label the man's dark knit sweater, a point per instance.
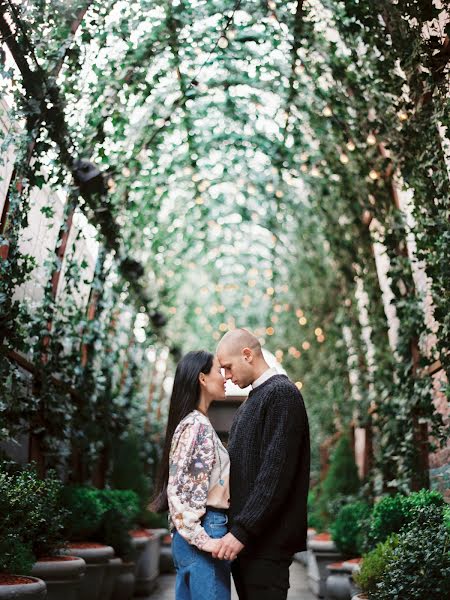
(269, 478)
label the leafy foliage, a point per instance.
(248, 181)
(392, 513)
(31, 515)
(349, 528)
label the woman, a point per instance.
(194, 480)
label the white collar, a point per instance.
(264, 377)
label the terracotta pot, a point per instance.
(16, 587)
(96, 557)
(124, 586)
(109, 579)
(62, 576)
(322, 552)
(147, 568)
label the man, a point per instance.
(269, 478)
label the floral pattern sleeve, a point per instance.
(192, 458)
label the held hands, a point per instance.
(226, 548)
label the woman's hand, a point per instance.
(212, 545)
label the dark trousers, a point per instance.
(261, 578)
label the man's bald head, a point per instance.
(236, 340)
(240, 355)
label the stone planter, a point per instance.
(62, 576)
(113, 568)
(147, 566)
(337, 585)
(96, 557)
(322, 552)
(303, 556)
(16, 587)
(124, 585)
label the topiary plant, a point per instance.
(342, 477)
(419, 567)
(391, 513)
(348, 530)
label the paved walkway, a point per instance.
(299, 586)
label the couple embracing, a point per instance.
(240, 510)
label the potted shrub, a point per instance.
(338, 488)
(82, 523)
(131, 462)
(16, 557)
(119, 513)
(62, 574)
(413, 564)
(391, 513)
(32, 508)
(347, 532)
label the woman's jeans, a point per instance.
(199, 575)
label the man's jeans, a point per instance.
(199, 575)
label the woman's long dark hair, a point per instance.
(185, 398)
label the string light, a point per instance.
(270, 291)
(327, 112)
(303, 320)
(306, 345)
(223, 42)
(371, 139)
(344, 158)
(402, 115)
(318, 331)
(299, 385)
(299, 313)
(373, 175)
(270, 330)
(350, 146)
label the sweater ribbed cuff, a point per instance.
(240, 534)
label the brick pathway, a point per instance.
(298, 591)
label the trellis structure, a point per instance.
(249, 163)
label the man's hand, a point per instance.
(229, 548)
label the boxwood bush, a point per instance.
(349, 528)
(104, 516)
(420, 564)
(31, 517)
(413, 564)
(391, 513)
